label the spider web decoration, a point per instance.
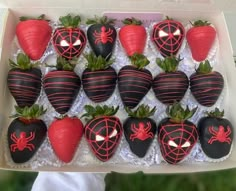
(168, 37)
(69, 43)
(109, 129)
(180, 134)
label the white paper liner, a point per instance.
(84, 156)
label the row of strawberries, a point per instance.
(103, 131)
(99, 82)
(69, 40)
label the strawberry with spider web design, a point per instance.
(103, 131)
(177, 135)
(69, 40)
(168, 36)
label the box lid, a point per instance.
(229, 5)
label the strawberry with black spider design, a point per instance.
(103, 131)
(216, 134)
(168, 36)
(177, 135)
(101, 36)
(171, 85)
(24, 80)
(62, 85)
(33, 35)
(99, 78)
(206, 85)
(140, 129)
(26, 133)
(64, 135)
(134, 81)
(69, 40)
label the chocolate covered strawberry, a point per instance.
(171, 85)
(139, 129)
(200, 39)
(168, 36)
(99, 78)
(216, 134)
(134, 81)
(177, 135)
(26, 133)
(62, 85)
(24, 80)
(64, 135)
(206, 85)
(33, 35)
(103, 131)
(101, 36)
(133, 36)
(69, 40)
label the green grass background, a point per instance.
(209, 181)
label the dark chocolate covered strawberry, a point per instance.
(200, 39)
(64, 135)
(69, 40)
(177, 135)
(139, 129)
(134, 81)
(33, 35)
(133, 36)
(101, 36)
(26, 133)
(171, 85)
(103, 131)
(206, 85)
(24, 80)
(99, 78)
(216, 135)
(168, 36)
(62, 85)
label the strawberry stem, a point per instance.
(143, 111)
(132, 21)
(200, 23)
(216, 113)
(29, 113)
(178, 114)
(104, 20)
(23, 62)
(41, 17)
(70, 21)
(204, 68)
(139, 60)
(169, 64)
(97, 62)
(64, 64)
(93, 112)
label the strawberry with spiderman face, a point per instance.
(176, 134)
(103, 131)
(69, 40)
(101, 36)
(168, 36)
(33, 35)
